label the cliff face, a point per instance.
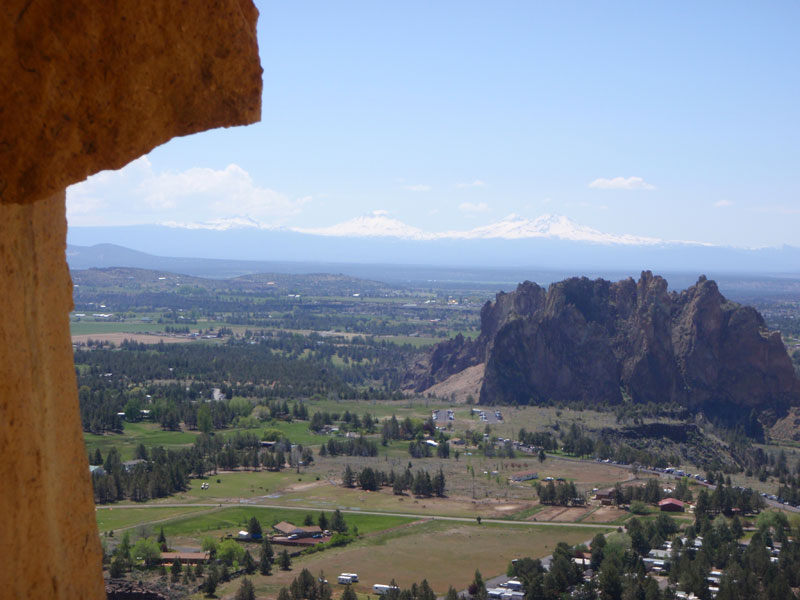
(594, 341)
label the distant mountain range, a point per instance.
(550, 242)
(512, 227)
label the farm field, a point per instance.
(149, 434)
(443, 553)
(117, 338)
(229, 520)
(112, 518)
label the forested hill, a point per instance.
(147, 280)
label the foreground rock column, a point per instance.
(85, 85)
(50, 546)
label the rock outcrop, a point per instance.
(599, 342)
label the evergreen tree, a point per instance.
(347, 477)
(118, 566)
(284, 560)
(338, 523)
(439, 484)
(245, 591)
(266, 558)
(348, 593)
(254, 528)
(175, 569)
(248, 564)
(322, 521)
(211, 581)
(478, 587)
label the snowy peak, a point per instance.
(238, 222)
(551, 226)
(513, 227)
(377, 224)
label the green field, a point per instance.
(149, 434)
(121, 518)
(231, 520)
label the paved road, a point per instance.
(359, 512)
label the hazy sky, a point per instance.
(669, 120)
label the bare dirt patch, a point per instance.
(570, 515)
(466, 383)
(299, 487)
(787, 428)
(605, 514)
(141, 338)
(508, 508)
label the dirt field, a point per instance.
(444, 554)
(605, 514)
(141, 338)
(560, 514)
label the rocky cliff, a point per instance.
(599, 342)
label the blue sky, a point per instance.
(667, 120)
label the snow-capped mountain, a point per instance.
(513, 227)
(244, 222)
(376, 224)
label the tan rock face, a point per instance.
(91, 84)
(48, 523)
(87, 85)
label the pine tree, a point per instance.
(245, 591)
(176, 569)
(211, 581)
(285, 561)
(248, 564)
(254, 528)
(347, 477)
(439, 484)
(322, 521)
(265, 560)
(348, 593)
(338, 523)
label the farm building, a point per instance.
(288, 529)
(605, 496)
(525, 476)
(187, 558)
(671, 505)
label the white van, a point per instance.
(345, 579)
(353, 576)
(381, 589)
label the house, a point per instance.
(671, 505)
(605, 496)
(187, 558)
(294, 532)
(131, 464)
